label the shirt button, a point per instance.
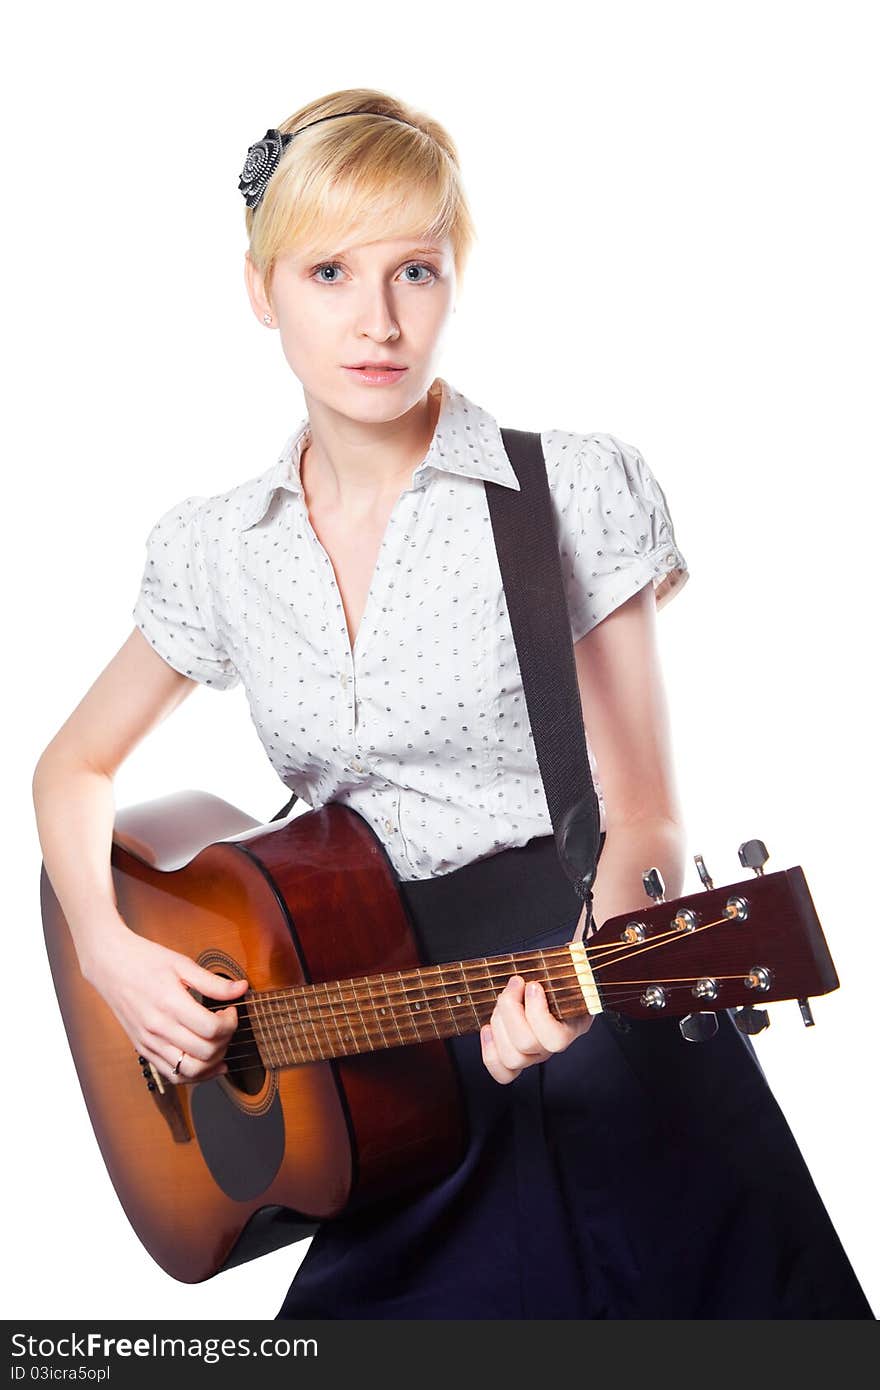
(389, 825)
(356, 766)
(344, 678)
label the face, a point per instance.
(381, 301)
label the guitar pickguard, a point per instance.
(243, 1149)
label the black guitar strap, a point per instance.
(524, 529)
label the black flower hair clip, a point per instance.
(260, 165)
(262, 158)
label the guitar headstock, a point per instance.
(744, 945)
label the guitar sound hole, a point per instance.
(246, 1072)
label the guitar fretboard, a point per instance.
(307, 1023)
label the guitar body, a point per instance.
(215, 1173)
(341, 1088)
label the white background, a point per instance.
(678, 244)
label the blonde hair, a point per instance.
(366, 174)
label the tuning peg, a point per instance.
(652, 881)
(703, 872)
(753, 855)
(698, 1027)
(806, 1013)
(751, 1020)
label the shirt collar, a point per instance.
(467, 440)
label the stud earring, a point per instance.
(267, 318)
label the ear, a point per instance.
(256, 290)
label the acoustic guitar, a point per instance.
(341, 1088)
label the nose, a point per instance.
(376, 317)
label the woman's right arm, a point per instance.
(144, 983)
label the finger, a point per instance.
(552, 1033)
(210, 1023)
(181, 1011)
(199, 1049)
(513, 1057)
(165, 1067)
(220, 1070)
(191, 1068)
(213, 1025)
(517, 1031)
(492, 1061)
(167, 1048)
(207, 983)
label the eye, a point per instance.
(328, 265)
(411, 265)
(420, 265)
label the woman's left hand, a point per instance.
(523, 1031)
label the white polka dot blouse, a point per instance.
(422, 728)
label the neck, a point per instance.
(351, 466)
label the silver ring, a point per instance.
(179, 1060)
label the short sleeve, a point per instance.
(616, 531)
(173, 608)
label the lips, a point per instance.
(378, 376)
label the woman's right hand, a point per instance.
(145, 985)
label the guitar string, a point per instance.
(318, 1014)
(257, 1062)
(305, 1019)
(367, 1020)
(416, 980)
(234, 1063)
(478, 965)
(294, 1027)
(323, 1017)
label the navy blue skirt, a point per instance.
(634, 1175)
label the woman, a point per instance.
(353, 588)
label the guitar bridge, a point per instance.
(167, 1101)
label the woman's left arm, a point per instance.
(627, 721)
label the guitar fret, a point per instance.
(485, 1013)
(386, 1012)
(409, 1018)
(326, 1014)
(363, 1014)
(285, 1004)
(394, 1013)
(315, 1016)
(282, 1014)
(298, 1041)
(348, 1037)
(332, 999)
(470, 1007)
(284, 1007)
(428, 1004)
(394, 1007)
(450, 1023)
(460, 1001)
(547, 982)
(379, 1011)
(264, 1042)
(364, 1029)
(272, 1015)
(419, 1014)
(307, 1005)
(269, 1032)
